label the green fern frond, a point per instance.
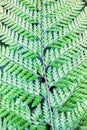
(43, 65)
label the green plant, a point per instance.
(43, 65)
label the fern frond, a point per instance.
(43, 65)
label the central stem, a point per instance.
(44, 67)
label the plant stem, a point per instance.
(44, 67)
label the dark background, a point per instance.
(85, 2)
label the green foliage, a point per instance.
(43, 65)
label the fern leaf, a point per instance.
(43, 65)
